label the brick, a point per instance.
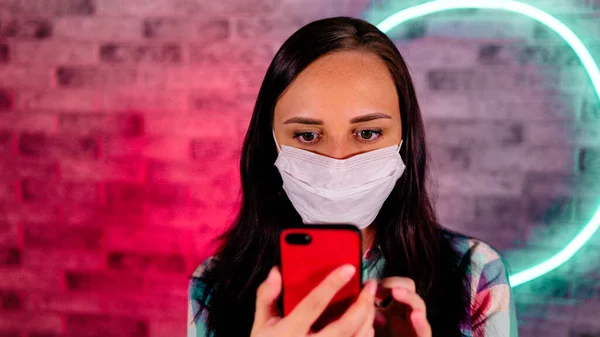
(233, 6)
(159, 147)
(131, 261)
(8, 190)
(134, 54)
(551, 286)
(6, 142)
(54, 52)
(10, 333)
(548, 133)
(37, 28)
(15, 167)
(451, 209)
(62, 100)
(143, 8)
(53, 7)
(215, 150)
(498, 211)
(590, 108)
(125, 193)
(62, 302)
(103, 216)
(98, 28)
(89, 77)
(39, 190)
(33, 122)
(24, 321)
(450, 158)
(29, 280)
(7, 101)
(586, 288)
(474, 133)
(198, 127)
(425, 53)
(480, 183)
(465, 80)
(538, 159)
(553, 184)
(586, 207)
(551, 55)
(166, 328)
(234, 54)
(56, 236)
(10, 257)
(176, 217)
(589, 160)
(9, 233)
(84, 193)
(169, 171)
(507, 105)
(250, 80)
(100, 325)
(168, 194)
(10, 300)
(184, 77)
(479, 25)
(43, 145)
(62, 259)
(26, 76)
(209, 29)
(273, 28)
(159, 308)
(435, 105)
(122, 124)
(123, 169)
(149, 240)
(124, 283)
(4, 53)
(218, 102)
(30, 212)
(548, 209)
(149, 101)
(224, 191)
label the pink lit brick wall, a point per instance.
(121, 125)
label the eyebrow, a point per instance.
(359, 119)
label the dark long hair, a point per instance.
(407, 231)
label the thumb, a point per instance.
(266, 298)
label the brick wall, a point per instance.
(121, 125)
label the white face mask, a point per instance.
(326, 190)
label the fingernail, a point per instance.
(347, 271)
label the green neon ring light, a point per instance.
(588, 63)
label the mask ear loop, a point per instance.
(275, 139)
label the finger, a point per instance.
(352, 320)
(367, 327)
(412, 299)
(266, 298)
(399, 282)
(311, 307)
(420, 324)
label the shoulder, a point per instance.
(481, 257)
(197, 285)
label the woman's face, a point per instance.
(341, 105)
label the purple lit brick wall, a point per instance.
(121, 125)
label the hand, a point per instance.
(357, 321)
(405, 315)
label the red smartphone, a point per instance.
(308, 254)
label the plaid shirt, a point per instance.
(492, 305)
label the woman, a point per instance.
(338, 97)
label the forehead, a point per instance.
(343, 83)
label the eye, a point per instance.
(307, 137)
(368, 135)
